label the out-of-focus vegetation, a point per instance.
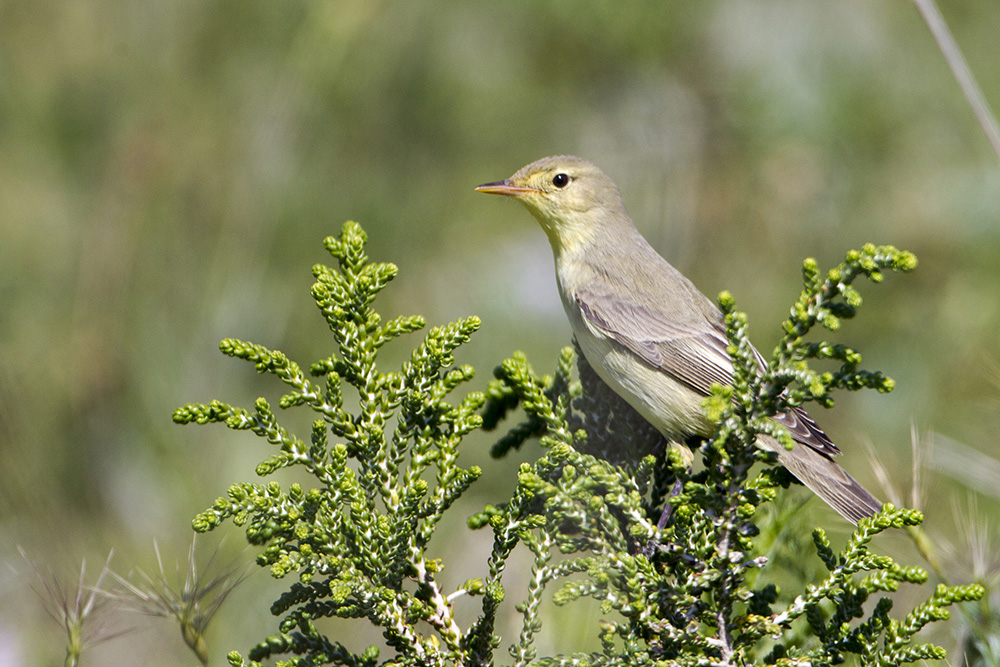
(165, 168)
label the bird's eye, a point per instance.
(560, 180)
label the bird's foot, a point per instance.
(668, 509)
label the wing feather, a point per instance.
(693, 352)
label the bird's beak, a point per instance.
(504, 188)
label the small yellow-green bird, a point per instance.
(646, 330)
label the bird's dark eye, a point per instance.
(560, 180)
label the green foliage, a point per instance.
(356, 540)
(695, 590)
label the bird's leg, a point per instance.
(686, 450)
(668, 509)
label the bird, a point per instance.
(646, 330)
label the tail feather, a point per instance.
(826, 479)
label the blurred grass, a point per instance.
(167, 171)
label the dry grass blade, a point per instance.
(960, 68)
(192, 600)
(81, 612)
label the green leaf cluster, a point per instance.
(383, 476)
(692, 585)
(696, 590)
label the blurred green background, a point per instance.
(168, 171)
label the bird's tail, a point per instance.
(826, 479)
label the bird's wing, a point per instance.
(688, 351)
(803, 429)
(693, 355)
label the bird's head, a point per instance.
(571, 198)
